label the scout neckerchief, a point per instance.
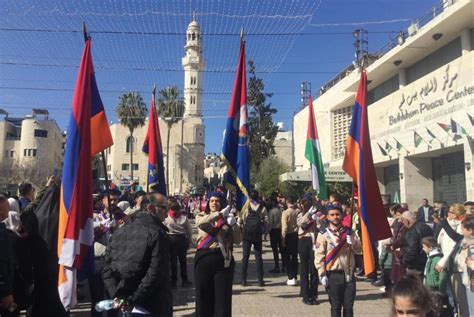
(211, 236)
(331, 257)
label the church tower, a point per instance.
(193, 64)
(190, 151)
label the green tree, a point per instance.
(262, 131)
(171, 110)
(132, 112)
(268, 176)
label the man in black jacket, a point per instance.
(412, 255)
(137, 264)
(425, 212)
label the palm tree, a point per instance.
(132, 112)
(171, 109)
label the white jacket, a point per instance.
(446, 243)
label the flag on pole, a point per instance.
(417, 139)
(398, 145)
(431, 134)
(457, 128)
(313, 154)
(88, 133)
(445, 127)
(388, 147)
(152, 147)
(235, 148)
(471, 118)
(382, 150)
(359, 164)
(396, 198)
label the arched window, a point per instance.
(194, 36)
(130, 144)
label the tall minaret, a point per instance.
(193, 64)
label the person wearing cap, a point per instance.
(412, 255)
(307, 221)
(334, 260)
(214, 263)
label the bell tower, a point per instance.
(193, 64)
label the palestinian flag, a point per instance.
(399, 146)
(388, 147)
(418, 139)
(456, 128)
(471, 118)
(313, 154)
(382, 150)
(431, 134)
(445, 127)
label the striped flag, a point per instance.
(152, 147)
(88, 133)
(313, 154)
(235, 150)
(359, 164)
(471, 118)
(398, 145)
(417, 139)
(382, 150)
(457, 128)
(431, 134)
(445, 127)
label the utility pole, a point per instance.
(361, 44)
(305, 93)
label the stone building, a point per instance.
(421, 110)
(283, 145)
(186, 151)
(30, 148)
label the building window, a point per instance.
(135, 167)
(41, 133)
(109, 168)
(193, 36)
(130, 144)
(125, 167)
(33, 152)
(341, 120)
(12, 153)
(24, 152)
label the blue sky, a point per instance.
(139, 43)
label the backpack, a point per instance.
(253, 225)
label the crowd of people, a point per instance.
(141, 238)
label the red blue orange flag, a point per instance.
(358, 163)
(235, 150)
(88, 133)
(152, 147)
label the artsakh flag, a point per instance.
(88, 133)
(152, 147)
(235, 150)
(313, 155)
(457, 128)
(359, 164)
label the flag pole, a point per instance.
(102, 153)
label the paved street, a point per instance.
(278, 299)
(275, 299)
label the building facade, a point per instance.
(283, 145)
(186, 149)
(30, 147)
(421, 111)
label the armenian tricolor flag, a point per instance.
(235, 150)
(359, 164)
(88, 133)
(152, 147)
